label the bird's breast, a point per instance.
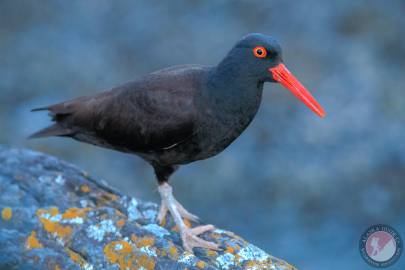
(220, 126)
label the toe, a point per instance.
(189, 216)
(199, 242)
(162, 213)
(191, 240)
(186, 214)
(202, 229)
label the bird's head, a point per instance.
(261, 58)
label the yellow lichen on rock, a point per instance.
(145, 241)
(6, 213)
(76, 258)
(175, 228)
(120, 223)
(106, 198)
(173, 252)
(74, 212)
(51, 224)
(32, 241)
(200, 264)
(212, 253)
(53, 211)
(115, 249)
(85, 188)
(109, 196)
(145, 262)
(122, 254)
(257, 265)
(119, 252)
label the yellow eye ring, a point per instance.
(260, 52)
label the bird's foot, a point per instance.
(191, 240)
(189, 236)
(164, 206)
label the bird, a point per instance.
(180, 114)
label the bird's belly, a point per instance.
(209, 142)
(215, 133)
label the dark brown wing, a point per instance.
(152, 113)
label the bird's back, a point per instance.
(151, 113)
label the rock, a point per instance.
(55, 216)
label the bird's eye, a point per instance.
(260, 52)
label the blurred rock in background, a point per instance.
(326, 180)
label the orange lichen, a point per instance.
(121, 223)
(212, 253)
(173, 253)
(76, 258)
(73, 256)
(32, 241)
(53, 211)
(74, 212)
(117, 250)
(134, 237)
(53, 226)
(186, 222)
(257, 265)
(110, 196)
(106, 198)
(120, 252)
(200, 264)
(145, 241)
(6, 213)
(85, 188)
(119, 213)
(145, 262)
(230, 249)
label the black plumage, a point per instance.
(176, 115)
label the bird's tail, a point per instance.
(53, 130)
(40, 109)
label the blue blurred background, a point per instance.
(300, 187)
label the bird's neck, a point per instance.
(232, 87)
(228, 103)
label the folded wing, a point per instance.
(149, 114)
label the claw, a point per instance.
(202, 229)
(162, 213)
(189, 236)
(191, 240)
(184, 213)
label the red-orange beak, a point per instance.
(282, 75)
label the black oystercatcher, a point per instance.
(180, 114)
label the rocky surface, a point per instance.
(55, 216)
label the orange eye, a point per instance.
(260, 52)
